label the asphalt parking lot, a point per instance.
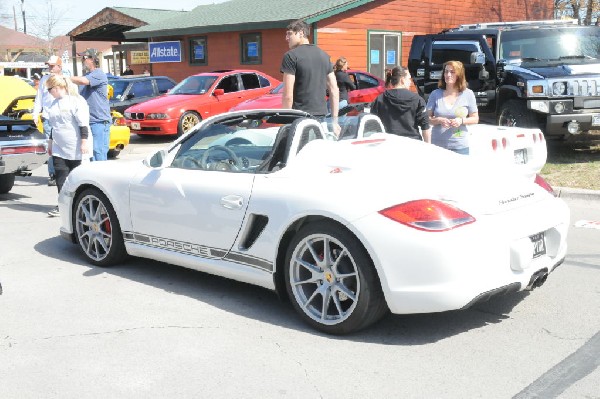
(152, 330)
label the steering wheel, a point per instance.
(234, 161)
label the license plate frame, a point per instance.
(136, 126)
(595, 119)
(520, 156)
(539, 244)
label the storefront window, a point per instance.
(251, 46)
(198, 51)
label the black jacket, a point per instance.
(401, 112)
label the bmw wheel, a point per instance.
(188, 120)
(331, 280)
(97, 229)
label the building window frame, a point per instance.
(198, 50)
(251, 48)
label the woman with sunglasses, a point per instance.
(69, 118)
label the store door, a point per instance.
(384, 52)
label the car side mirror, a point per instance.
(218, 92)
(156, 160)
(477, 58)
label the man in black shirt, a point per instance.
(307, 72)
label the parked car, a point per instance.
(131, 90)
(338, 227)
(368, 87)
(23, 147)
(195, 98)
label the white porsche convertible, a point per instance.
(348, 230)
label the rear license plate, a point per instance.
(596, 120)
(136, 126)
(521, 156)
(539, 244)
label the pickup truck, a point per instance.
(531, 74)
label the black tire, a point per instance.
(7, 181)
(188, 120)
(346, 280)
(515, 113)
(112, 154)
(97, 229)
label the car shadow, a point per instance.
(261, 304)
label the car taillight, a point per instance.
(539, 180)
(119, 122)
(31, 149)
(428, 215)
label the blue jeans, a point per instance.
(101, 135)
(47, 131)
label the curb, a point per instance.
(577, 193)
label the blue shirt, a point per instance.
(96, 95)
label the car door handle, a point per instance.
(232, 202)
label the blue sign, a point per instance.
(164, 52)
(374, 57)
(199, 52)
(252, 49)
(391, 57)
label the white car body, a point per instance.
(239, 224)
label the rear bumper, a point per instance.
(21, 163)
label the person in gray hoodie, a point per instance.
(402, 111)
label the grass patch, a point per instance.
(574, 163)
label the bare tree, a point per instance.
(587, 12)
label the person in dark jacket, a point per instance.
(345, 84)
(402, 111)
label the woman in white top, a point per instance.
(69, 117)
(451, 108)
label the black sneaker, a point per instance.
(51, 181)
(54, 212)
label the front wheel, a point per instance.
(331, 280)
(188, 120)
(97, 229)
(515, 113)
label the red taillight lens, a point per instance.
(494, 144)
(539, 180)
(428, 215)
(35, 149)
(119, 122)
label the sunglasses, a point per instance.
(50, 89)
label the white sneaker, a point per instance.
(54, 212)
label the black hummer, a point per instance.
(542, 74)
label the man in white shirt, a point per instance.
(41, 104)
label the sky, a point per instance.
(71, 13)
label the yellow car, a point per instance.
(12, 88)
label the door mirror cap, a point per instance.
(156, 160)
(218, 92)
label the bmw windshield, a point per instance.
(578, 45)
(194, 85)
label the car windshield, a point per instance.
(577, 45)
(198, 84)
(119, 87)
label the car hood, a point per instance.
(392, 170)
(555, 70)
(168, 102)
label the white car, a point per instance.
(347, 230)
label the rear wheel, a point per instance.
(331, 280)
(112, 154)
(188, 120)
(7, 181)
(515, 113)
(97, 229)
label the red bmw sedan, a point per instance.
(195, 98)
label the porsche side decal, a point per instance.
(201, 251)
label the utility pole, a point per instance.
(23, 12)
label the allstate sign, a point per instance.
(164, 51)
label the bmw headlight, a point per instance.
(559, 88)
(157, 116)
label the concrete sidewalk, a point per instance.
(577, 193)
